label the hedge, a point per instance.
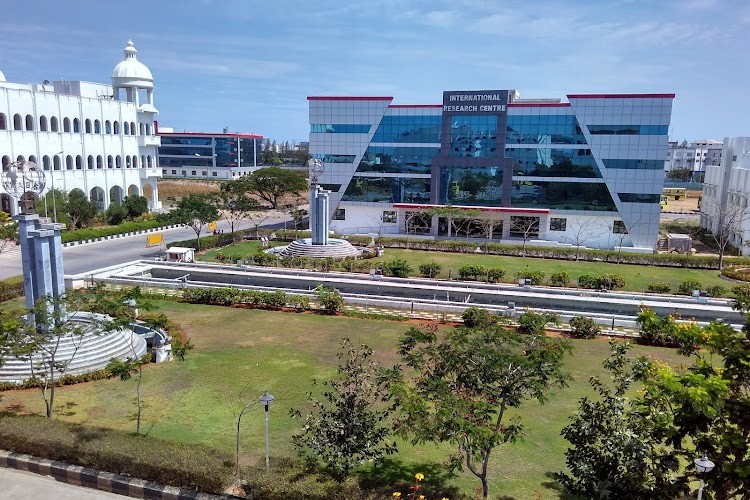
(741, 273)
(190, 466)
(254, 298)
(11, 288)
(100, 232)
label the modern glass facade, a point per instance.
(594, 156)
(190, 150)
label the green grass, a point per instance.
(240, 353)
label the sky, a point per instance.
(250, 65)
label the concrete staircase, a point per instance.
(90, 351)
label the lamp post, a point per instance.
(266, 400)
(704, 466)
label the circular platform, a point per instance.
(335, 249)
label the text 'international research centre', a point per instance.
(586, 172)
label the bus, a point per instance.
(673, 192)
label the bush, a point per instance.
(659, 287)
(495, 274)
(471, 271)
(115, 214)
(536, 277)
(584, 327)
(533, 323)
(716, 291)
(330, 300)
(125, 227)
(135, 205)
(398, 268)
(189, 466)
(560, 279)
(10, 288)
(429, 269)
(475, 317)
(601, 282)
(687, 287)
(655, 330)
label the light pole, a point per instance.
(266, 400)
(704, 466)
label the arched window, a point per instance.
(97, 127)
(45, 162)
(3, 122)
(29, 122)
(87, 126)
(118, 160)
(107, 127)
(76, 125)
(90, 162)
(32, 159)
(56, 162)
(53, 125)
(127, 162)
(79, 162)
(143, 161)
(148, 160)
(135, 162)
(126, 128)
(66, 124)
(68, 162)
(148, 129)
(110, 162)
(17, 122)
(6, 161)
(132, 128)
(20, 158)
(116, 128)
(140, 129)
(42, 123)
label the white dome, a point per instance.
(131, 72)
(2, 77)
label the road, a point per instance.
(82, 258)
(20, 484)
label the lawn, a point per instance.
(240, 353)
(637, 277)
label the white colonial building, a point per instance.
(95, 137)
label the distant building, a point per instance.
(695, 156)
(586, 172)
(206, 155)
(95, 137)
(726, 190)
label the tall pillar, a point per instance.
(314, 213)
(41, 258)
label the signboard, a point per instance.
(493, 102)
(153, 240)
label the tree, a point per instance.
(271, 183)
(680, 174)
(465, 382)
(616, 449)
(257, 217)
(526, 227)
(330, 299)
(458, 218)
(298, 215)
(195, 211)
(269, 155)
(534, 323)
(54, 202)
(488, 223)
(724, 222)
(346, 428)
(136, 205)
(80, 210)
(115, 214)
(234, 202)
(582, 231)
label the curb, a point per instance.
(105, 481)
(120, 235)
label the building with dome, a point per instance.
(96, 137)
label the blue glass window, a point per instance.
(334, 188)
(247, 149)
(562, 195)
(413, 160)
(471, 186)
(628, 129)
(474, 136)
(335, 158)
(388, 190)
(339, 128)
(193, 141)
(552, 162)
(639, 197)
(543, 129)
(634, 164)
(190, 161)
(419, 129)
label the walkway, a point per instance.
(20, 484)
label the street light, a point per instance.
(266, 400)
(704, 466)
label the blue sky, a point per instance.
(250, 65)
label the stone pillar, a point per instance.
(27, 223)
(323, 216)
(313, 213)
(41, 258)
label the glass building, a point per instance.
(586, 172)
(209, 155)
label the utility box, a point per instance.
(180, 254)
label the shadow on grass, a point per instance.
(393, 475)
(554, 485)
(12, 410)
(67, 409)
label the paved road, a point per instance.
(18, 484)
(82, 258)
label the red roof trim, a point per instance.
(483, 209)
(539, 105)
(212, 134)
(439, 106)
(620, 96)
(347, 98)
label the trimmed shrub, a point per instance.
(716, 291)
(330, 300)
(495, 274)
(601, 282)
(588, 281)
(398, 268)
(687, 287)
(429, 269)
(536, 277)
(560, 279)
(659, 287)
(471, 271)
(100, 232)
(190, 466)
(533, 323)
(584, 327)
(10, 288)
(475, 317)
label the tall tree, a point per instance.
(526, 226)
(271, 183)
(582, 231)
(235, 203)
(458, 218)
(465, 383)
(80, 210)
(725, 220)
(195, 211)
(346, 428)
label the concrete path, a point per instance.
(18, 484)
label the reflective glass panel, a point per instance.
(413, 160)
(185, 162)
(335, 158)
(471, 186)
(562, 195)
(422, 129)
(474, 136)
(247, 149)
(388, 190)
(194, 141)
(634, 164)
(226, 151)
(551, 162)
(628, 129)
(639, 197)
(339, 128)
(543, 129)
